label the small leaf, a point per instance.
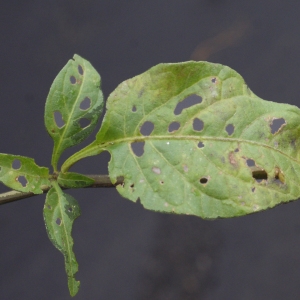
(74, 180)
(60, 211)
(22, 174)
(225, 153)
(73, 106)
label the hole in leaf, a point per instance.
(259, 175)
(132, 185)
(58, 119)
(156, 170)
(200, 145)
(203, 180)
(80, 70)
(250, 162)
(198, 124)
(70, 209)
(214, 80)
(186, 103)
(84, 122)
(147, 128)
(253, 190)
(22, 179)
(73, 79)
(277, 124)
(161, 182)
(85, 103)
(16, 164)
(174, 126)
(236, 150)
(133, 108)
(49, 206)
(229, 129)
(138, 148)
(58, 221)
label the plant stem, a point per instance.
(99, 181)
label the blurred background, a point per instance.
(126, 252)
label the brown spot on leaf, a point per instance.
(232, 159)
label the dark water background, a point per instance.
(125, 252)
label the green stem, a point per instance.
(90, 150)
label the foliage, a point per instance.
(188, 138)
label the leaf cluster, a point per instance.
(188, 138)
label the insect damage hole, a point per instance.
(23, 181)
(259, 174)
(138, 148)
(73, 79)
(174, 126)
(16, 164)
(250, 162)
(200, 145)
(58, 221)
(203, 180)
(186, 103)
(198, 124)
(229, 129)
(133, 108)
(277, 125)
(58, 119)
(85, 103)
(147, 128)
(80, 70)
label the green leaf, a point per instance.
(60, 211)
(73, 106)
(74, 180)
(219, 157)
(22, 174)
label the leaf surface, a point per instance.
(74, 180)
(60, 211)
(192, 138)
(23, 174)
(73, 106)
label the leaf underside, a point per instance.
(60, 211)
(23, 174)
(219, 157)
(73, 106)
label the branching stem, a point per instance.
(99, 181)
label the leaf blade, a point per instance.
(60, 211)
(203, 167)
(23, 174)
(74, 180)
(74, 105)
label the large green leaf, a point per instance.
(22, 174)
(73, 105)
(60, 211)
(220, 157)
